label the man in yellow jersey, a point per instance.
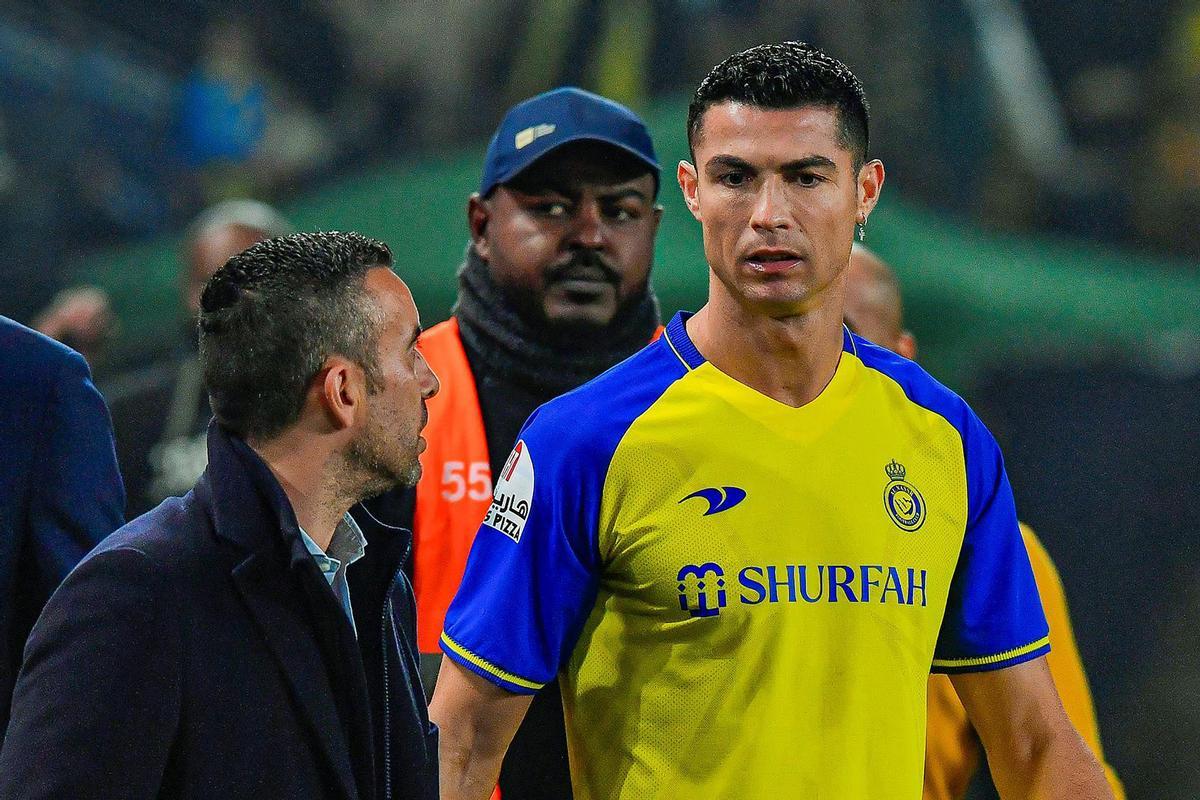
(875, 311)
(743, 549)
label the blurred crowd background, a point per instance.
(1043, 182)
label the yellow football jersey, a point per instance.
(745, 599)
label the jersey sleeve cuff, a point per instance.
(1009, 658)
(487, 670)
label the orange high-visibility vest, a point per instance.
(455, 489)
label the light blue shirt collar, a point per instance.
(347, 546)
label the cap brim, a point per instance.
(581, 137)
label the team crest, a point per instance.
(903, 502)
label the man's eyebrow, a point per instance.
(621, 194)
(729, 162)
(809, 163)
(611, 192)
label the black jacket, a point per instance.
(199, 653)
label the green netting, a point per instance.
(972, 297)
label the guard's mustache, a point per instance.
(586, 265)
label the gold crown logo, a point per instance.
(895, 471)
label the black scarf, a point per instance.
(542, 359)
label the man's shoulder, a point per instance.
(171, 536)
(31, 359)
(918, 386)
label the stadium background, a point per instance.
(1043, 170)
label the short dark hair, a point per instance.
(787, 75)
(271, 316)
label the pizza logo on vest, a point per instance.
(514, 494)
(901, 499)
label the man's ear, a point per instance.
(340, 391)
(689, 184)
(870, 184)
(906, 345)
(477, 220)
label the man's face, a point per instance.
(207, 253)
(873, 308)
(389, 442)
(872, 304)
(571, 238)
(777, 197)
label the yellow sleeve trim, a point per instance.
(491, 669)
(1005, 656)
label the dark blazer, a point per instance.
(60, 491)
(199, 653)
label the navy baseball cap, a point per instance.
(533, 128)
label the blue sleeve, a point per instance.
(78, 497)
(993, 615)
(531, 578)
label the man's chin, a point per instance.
(382, 483)
(578, 320)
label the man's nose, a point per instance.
(430, 385)
(588, 226)
(771, 211)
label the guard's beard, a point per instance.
(513, 335)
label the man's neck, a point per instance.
(789, 358)
(303, 473)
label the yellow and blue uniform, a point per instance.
(745, 599)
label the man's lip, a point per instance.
(584, 285)
(773, 265)
(595, 274)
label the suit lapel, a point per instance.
(278, 607)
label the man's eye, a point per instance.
(621, 214)
(809, 179)
(552, 209)
(734, 179)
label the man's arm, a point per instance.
(477, 721)
(78, 496)
(1032, 748)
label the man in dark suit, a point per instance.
(60, 491)
(226, 644)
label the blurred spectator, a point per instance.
(244, 125)
(1168, 189)
(60, 492)
(161, 413)
(81, 318)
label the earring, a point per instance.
(862, 227)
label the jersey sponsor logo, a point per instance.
(903, 503)
(705, 594)
(514, 494)
(719, 499)
(706, 591)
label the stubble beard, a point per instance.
(370, 467)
